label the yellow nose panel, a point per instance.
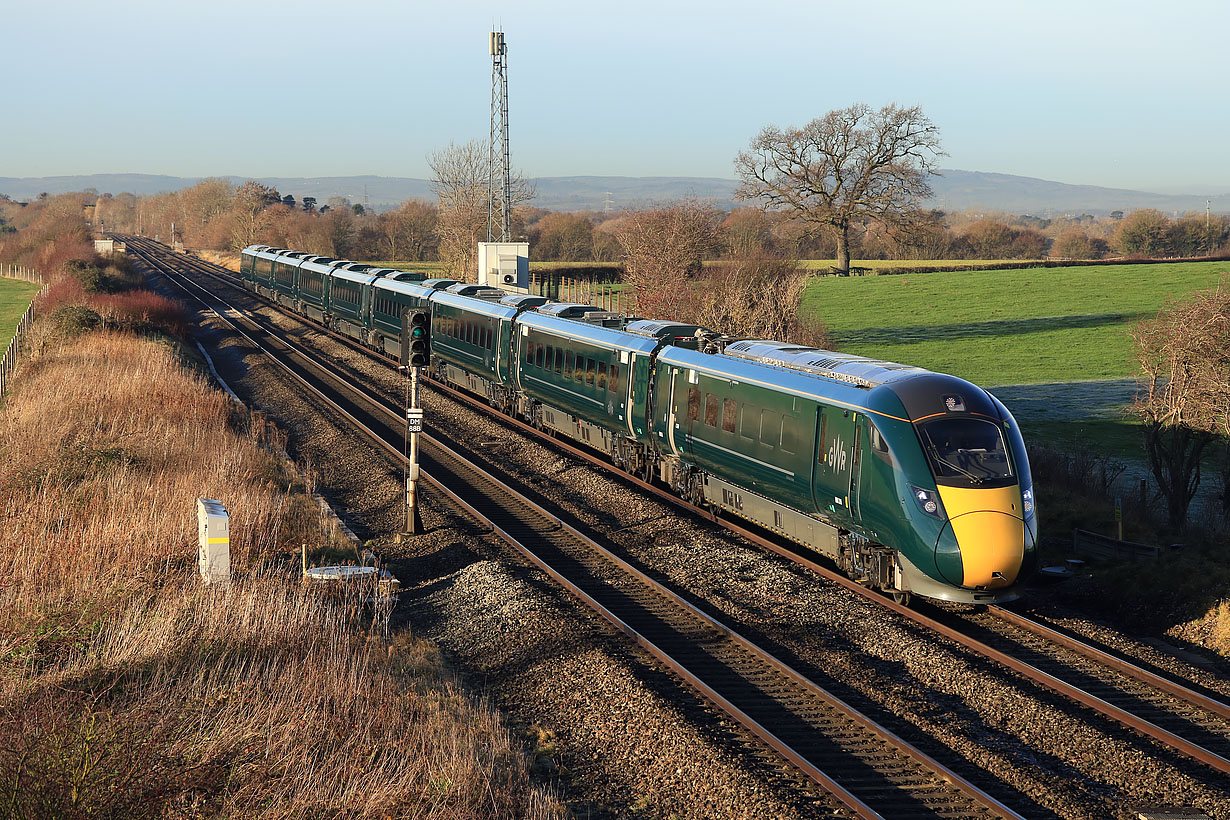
(990, 532)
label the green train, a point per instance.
(913, 482)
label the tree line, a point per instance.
(217, 215)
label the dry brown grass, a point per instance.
(128, 689)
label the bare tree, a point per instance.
(408, 232)
(250, 216)
(1185, 390)
(758, 297)
(459, 180)
(664, 250)
(849, 166)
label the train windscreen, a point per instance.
(966, 451)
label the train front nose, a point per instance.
(990, 535)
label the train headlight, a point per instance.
(928, 502)
(1027, 502)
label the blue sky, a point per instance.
(1122, 94)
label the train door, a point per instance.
(856, 465)
(835, 453)
(629, 397)
(672, 422)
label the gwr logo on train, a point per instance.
(837, 455)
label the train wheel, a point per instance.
(902, 598)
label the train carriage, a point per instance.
(285, 282)
(587, 382)
(257, 268)
(391, 298)
(313, 290)
(825, 448)
(349, 298)
(470, 340)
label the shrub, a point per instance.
(91, 277)
(71, 321)
(141, 310)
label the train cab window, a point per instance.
(568, 360)
(613, 379)
(589, 371)
(602, 375)
(966, 451)
(693, 404)
(879, 447)
(711, 410)
(730, 413)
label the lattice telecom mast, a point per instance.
(499, 200)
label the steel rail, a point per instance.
(1111, 661)
(799, 760)
(1029, 672)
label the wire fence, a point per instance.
(12, 355)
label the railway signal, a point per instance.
(415, 353)
(416, 338)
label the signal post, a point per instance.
(415, 354)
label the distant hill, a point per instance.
(955, 190)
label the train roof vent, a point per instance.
(406, 275)
(477, 291)
(856, 370)
(659, 329)
(438, 283)
(567, 310)
(524, 301)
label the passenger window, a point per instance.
(749, 422)
(693, 404)
(730, 412)
(602, 375)
(568, 356)
(559, 359)
(613, 382)
(788, 434)
(589, 371)
(711, 410)
(550, 357)
(538, 354)
(770, 428)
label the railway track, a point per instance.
(1193, 723)
(869, 770)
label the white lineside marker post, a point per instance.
(414, 426)
(214, 531)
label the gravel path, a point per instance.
(623, 738)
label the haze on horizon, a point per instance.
(1116, 94)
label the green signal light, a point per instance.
(418, 333)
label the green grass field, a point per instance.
(15, 296)
(1037, 325)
